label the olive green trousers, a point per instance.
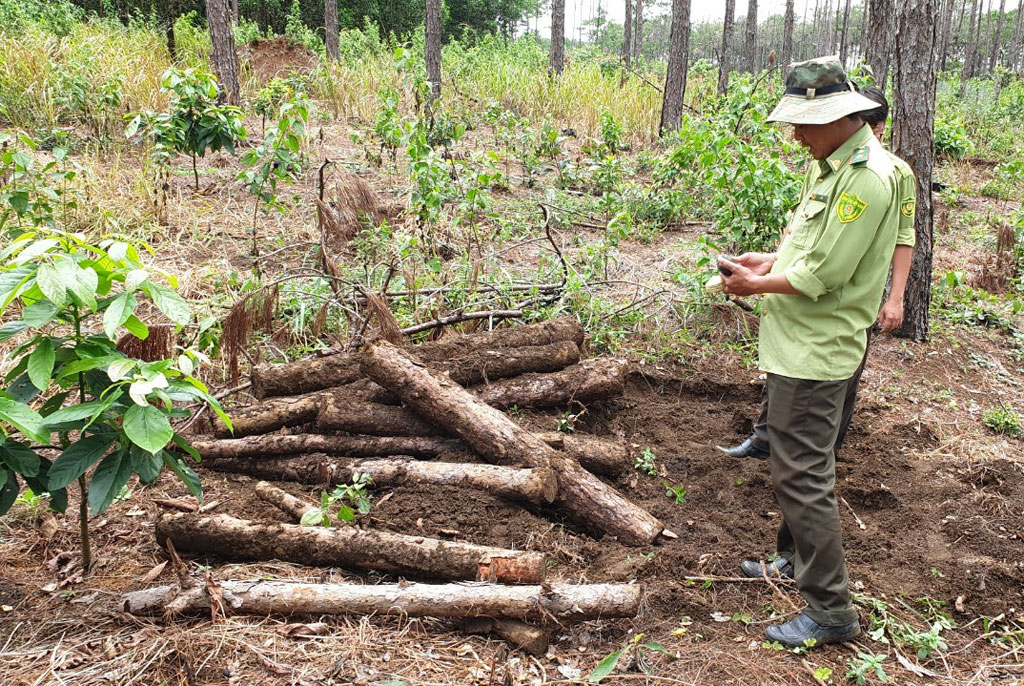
(803, 423)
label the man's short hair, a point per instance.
(878, 115)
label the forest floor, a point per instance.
(932, 502)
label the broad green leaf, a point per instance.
(9, 491)
(35, 249)
(117, 313)
(19, 457)
(77, 458)
(74, 413)
(51, 283)
(169, 302)
(11, 281)
(185, 473)
(147, 427)
(312, 518)
(147, 465)
(25, 419)
(40, 364)
(346, 513)
(605, 667)
(86, 364)
(12, 329)
(140, 389)
(656, 647)
(137, 327)
(39, 314)
(106, 482)
(134, 279)
(121, 369)
(83, 287)
(184, 445)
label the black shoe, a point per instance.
(747, 448)
(779, 567)
(796, 632)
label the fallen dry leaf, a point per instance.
(154, 573)
(303, 630)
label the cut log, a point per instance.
(604, 456)
(533, 640)
(542, 604)
(350, 547)
(270, 415)
(283, 500)
(498, 439)
(594, 379)
(537, 485)
(303, 376)
(340, 412)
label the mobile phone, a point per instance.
(721, 268)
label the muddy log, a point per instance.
(270, 415)
(540, 604)
(498, 439)
(283, 500)
(536, 485)
(604, 456)
(339, 412)
(303, 376)
(350, 547)
(589, 380)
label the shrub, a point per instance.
(1003, 420)
(951, 140)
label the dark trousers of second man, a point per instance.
(803, 422)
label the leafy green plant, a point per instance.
(677, 493)
(635, 650)
(645, 462)
(1003, 420)
(37, 194)
(194, 124)
(72, 297)
(951, 139)
(348, 499)
(862, 667)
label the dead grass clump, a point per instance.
(252, 313)
(1001, 268)
(158, 345)
(354, 202)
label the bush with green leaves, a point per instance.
(1003, 420)
(349, 499)
(70, 299)
(87, 100)
(195, 123)
(951, 139)
(33, 192)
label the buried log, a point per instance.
(497, 438)
(537, 485)
(605, 456)
(541, 604)
(303, 376)
(348, 547)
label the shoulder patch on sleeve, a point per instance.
(849, 207)
(907, 206)
(860, 155)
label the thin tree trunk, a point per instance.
(627, 36)
(864, 23)
(331, 28)
(638, 37)
(234, 12)
(724, 56)
(223, 55)
(547, 603)
(945, 33)
(750, 46)
(914, 88)
(997, 37)
(678, 62)
(787, 37)
(1017, 51)
(844, 43)
(556, 58)
(880, 40)
(498, 439)
(965, 71)
(433, 48)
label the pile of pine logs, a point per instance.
(387, 412)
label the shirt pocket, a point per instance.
(808, 224)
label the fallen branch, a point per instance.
(348, 547)
(547, 604)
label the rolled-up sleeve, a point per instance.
(857, 208)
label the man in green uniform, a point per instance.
(822, 293)
(890, 317)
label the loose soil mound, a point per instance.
(272, 57)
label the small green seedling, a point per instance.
(349, 499)
(635, 649)
(677, 493)
(644, 462)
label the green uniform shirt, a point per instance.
(907, 186)
(837, 254)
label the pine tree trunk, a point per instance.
(723, 58)
(223, 55)
(750, 46)
(965, 71)
(1017, 51)
(638, 36)
(914, 86)
(331, 28)
(945, 32)
(844, 43)
(556, 58)
(433, 47)
(864, 23)
(997, 37)
(627, 36)
(678, 62)
(880, 40)
(787, 37)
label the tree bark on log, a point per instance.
(522, 636)
(270, 415)
(593, 379)
(604, 456)
(537, 485)
(283, 500)
(343, 413)
(348, 547)
(497, 438)
(540, 604)
(303, 376)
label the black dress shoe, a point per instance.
(797, 632)
(747, 448)
(779, 567)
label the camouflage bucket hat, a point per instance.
(819, 92)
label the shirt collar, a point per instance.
(835, 161)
